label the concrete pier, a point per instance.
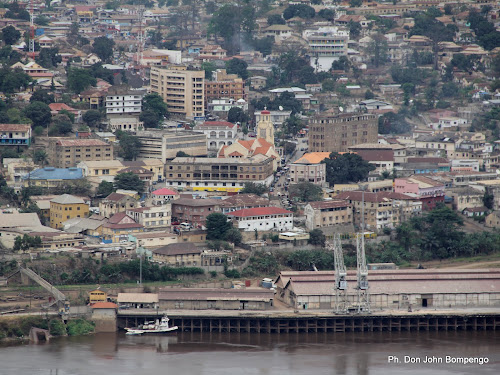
(294, 322)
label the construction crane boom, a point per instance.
(340, 275)
(362, 275)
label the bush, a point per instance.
(57, 328)
(79, 327)
(232, 274)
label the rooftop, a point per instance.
(50, 173)
(67, 199)
(312, 158)
(259, 211)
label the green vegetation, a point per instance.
(217, 226)
(129, 145)
(342, 169)
(306, 192)
(254, 188)
(129, 181)
(20, 327)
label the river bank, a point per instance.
(17, 328)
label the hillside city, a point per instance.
(187, 139)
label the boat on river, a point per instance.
(157, 326)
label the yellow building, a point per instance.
(97, 296)
(265, 128)
(66, 207)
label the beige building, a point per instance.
(335, 133)
(224, 85)
(245, 149)
(152, 240)
(218, 174)
(152, 217)
(466, 197)
(181, 89)
(164, 145)
(265, 128)
(309, 168)
(106, 170)
(493, 220)
(64, 153)
(184, 254)
(116, 202)
(327, 214)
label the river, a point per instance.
(233, 354)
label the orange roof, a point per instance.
(104, 305)
(313, 158)
(261, 150)
(246, 144)
(235, 153)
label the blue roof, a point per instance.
(50, 173)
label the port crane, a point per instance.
(340, 275)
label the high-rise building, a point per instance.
(122, 101)
(326, 45)
(181, 89)
(336, 133)
(224, 85)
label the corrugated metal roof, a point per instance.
(50, 173)
(137, 297)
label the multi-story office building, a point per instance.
(122, 101)
(326, 45)
(181, 89)
(224, 85)
(218, 174)
(65, 153)
(164, 145)
(335, 133)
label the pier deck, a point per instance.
(320, 321)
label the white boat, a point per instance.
(158, 326)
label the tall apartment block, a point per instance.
(181, 89)
(335, 133)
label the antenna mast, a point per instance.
(362, 275)
(140, 47)
(32, 32)
(340, 275)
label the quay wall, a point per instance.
(313, 323)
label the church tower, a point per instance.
(265, 128)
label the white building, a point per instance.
(222, 106)
(326, 45)
(465, 165)
(125, 123)
(152, 217)
(276, 117)
(123, 101)
(446, 123)
(219, 133)
(262, 219)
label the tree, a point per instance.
(354, 29)
(306, 191)
(61, 124)
(264, 45)
(10, 35)
(342, 63)
(150, 119)
(80, 79)
(49, 57)
(92, 118)
(236, 114)
(393, 123)
(38, 113)
(103, 47)
(42, 20)
(42, 96)
(182, 154)
(104, 189)
(377, 50)
(154, 103)
(253, 188)
(327, 14)
(129, 181)
(316, 237)
(237, 66)
(448, 9)
(292, 125)
(233, 235)
(355, 3)
(346, 168)
(209, 67)
(299, 10)
(129, 146)
(40, 157)
(217, 226)
(275, 19)
(488, 200)
(12, 81)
